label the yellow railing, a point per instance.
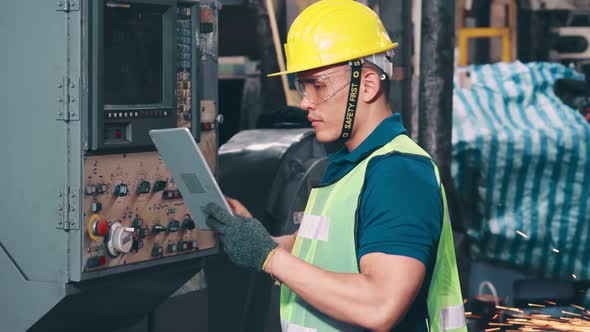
(505, 33)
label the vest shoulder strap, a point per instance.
(405, 145)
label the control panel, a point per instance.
(134, 212)
(108, 220)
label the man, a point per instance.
(374, 250)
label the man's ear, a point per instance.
(370, 85)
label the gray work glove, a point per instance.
(245, 241)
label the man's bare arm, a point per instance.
(377, 298)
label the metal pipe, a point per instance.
(436, 89)
(397, 18)
(435, 111)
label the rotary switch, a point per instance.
(120, 239)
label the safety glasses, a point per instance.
(322, 87)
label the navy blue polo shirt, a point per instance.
(400, 210)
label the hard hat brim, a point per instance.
(298, 70)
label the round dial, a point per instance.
(120, 239)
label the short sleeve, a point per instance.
(401, 209)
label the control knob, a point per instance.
(120, 239)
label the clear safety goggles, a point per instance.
(320, 88)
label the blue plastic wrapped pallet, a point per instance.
(520, 162)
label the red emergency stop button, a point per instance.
(102, 227)
(97, 227)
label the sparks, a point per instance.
(578, 307)
(520, 321)
(508, 308)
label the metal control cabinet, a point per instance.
(94, 232)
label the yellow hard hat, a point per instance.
(334, 31)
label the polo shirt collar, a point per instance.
(386, 131)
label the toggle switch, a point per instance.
(186, 245)
(101, 188)
(160, 185)
(143, 187)
(121, 190)
(142, 233)
(173, 226)
(157, 251)
(95, 207)
(171, 248)
(171, 194)
(137, 244)
(90, 189)
(137, 222)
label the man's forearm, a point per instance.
(350, 297)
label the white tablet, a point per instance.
(189, 169)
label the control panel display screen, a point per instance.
(133, 55)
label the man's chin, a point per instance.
(323, 138)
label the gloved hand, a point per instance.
(245, 241)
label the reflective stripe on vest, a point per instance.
(314, 227)
(327, 239)
(289, 327)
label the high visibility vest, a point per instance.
(326, 238)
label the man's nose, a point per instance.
(306, 104)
